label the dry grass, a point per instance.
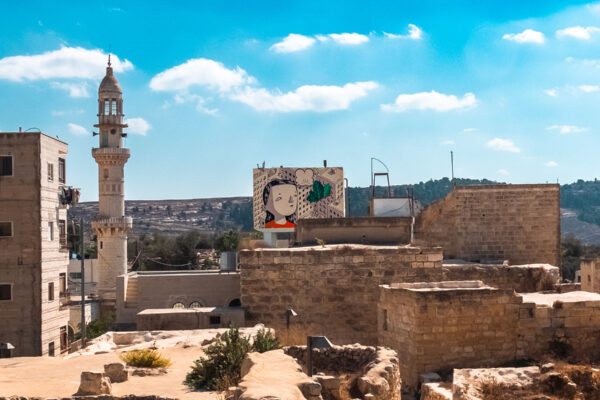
(292, 337)
(145, 358)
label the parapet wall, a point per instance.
(333, 289)
(443, 325)
(519, 223)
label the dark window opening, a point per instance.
(62, 284)
(235, 303)
(50, 291)
(51, 349)
(62, 173)
(215, 320)
(62, 232)
(385, 320)
(6, 229)
(100, 244)
(64, 339)
(6, 165)
(50, 172)
(5, 291)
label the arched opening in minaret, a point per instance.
(106, 107)
(113, 108)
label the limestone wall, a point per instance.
(184, 319)
(447, 325)
(371, 230)
(590, 275)
(333, 289)
(519, 223)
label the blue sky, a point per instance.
(213, 88)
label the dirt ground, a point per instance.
(58, 377)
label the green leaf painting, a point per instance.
(319, 192)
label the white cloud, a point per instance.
(577, 32)
(551, 92)
(138, 126)
(322, 38)
(75, 89)
(589, 88)
(414, 32)
(502, 172)
(77, 129)
(198, 100)
(467, 130)
(200, 72)
(551, 164)
(61, 113)
(65, 63)
(430, 100)
(502, 145)
(527, 36)
(293, 42)
(566, 129)
(305, 98)
(349, 38)
(448, 142)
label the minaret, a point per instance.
(110, 225)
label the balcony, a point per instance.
(101, 223)
(110, 155)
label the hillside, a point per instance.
(580, 213)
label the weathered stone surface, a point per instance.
(116, 372)
(149, 371)
(93, 383)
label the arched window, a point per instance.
(235, 303)
(195, 304)
(113, 108)
(106, 107)
(178, 305)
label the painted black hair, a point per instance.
(267, 191)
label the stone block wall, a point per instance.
(522, 278)
(445, 325)
(519, 223)
(333, 289)
(590, 275)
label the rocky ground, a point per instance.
(59, 377)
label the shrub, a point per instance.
(145, 358)
(221, 368)
(265, 341)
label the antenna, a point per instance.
(452, 165)
(109, 55)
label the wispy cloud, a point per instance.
(589, 88)
(292, 43)
(577, 32)
(79, 89)
(502, 145)
(467, 130)
(414, 33)
(551, 92)
(77, 129)
(138, 126)
(448, 142)
(430, 101)
(566, 129)
(349, 38)
(502, 172)
(527, 36)
(65, 63)
(551, 164)
(200, 72)
(305, 98)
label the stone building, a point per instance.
(110, 225)
(33, 243)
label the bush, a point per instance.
(265, 341)
(221, 368)
(145, 358)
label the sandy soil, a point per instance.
(56, 377)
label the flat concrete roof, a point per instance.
(155, 311)
(548, 299)
(440, 286)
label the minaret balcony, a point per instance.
(110, 155)
(104, 223)
(110, 120)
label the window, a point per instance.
(113, 108)
(62, 232)
(64, 339)
(62, 284)
(5, 291)
(50, 172)
(75, 275)
(51, 349)
(106, 107)
(6, 165)
(50, 231)
(50, 291)
(385, 320)
(195, 304)
(105, 173)
(235, 303)
(178, 305)
(215, 320)
(62, 173)
(6, 229)
(104, 139)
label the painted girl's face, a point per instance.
(283, 200)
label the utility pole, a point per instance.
(82, 255)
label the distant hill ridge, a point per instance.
(580, 202)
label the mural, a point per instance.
(284, 195)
